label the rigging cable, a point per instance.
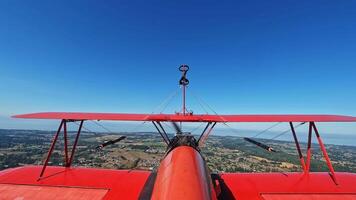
(286, 131)
(267, 129)
(196, 128)
(199, 103)
(164, 104)
(85, 128)
(169, 127)
(160, 108)
(207, 105)
(268, 148)
(102, 126)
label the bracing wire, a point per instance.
(161, 107)
(137, 127)
(232, 129)
(85, 128)
(209, 107)
(199, 103)
(236, 131)
(204, 103)
(267, 129)
(102, 126)
(169, 127)
(286, 131)
(196, 128)
(164, 104)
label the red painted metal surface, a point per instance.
(182, 174)
(126, 184)
(51, 149)
(252, 186)
(308, 196)
(309, 147)
(33, 192)
(188, 118)
(66, 161)
(205, 135)
(75, 143)
(121, 184)
(325, 153)
(300, 154)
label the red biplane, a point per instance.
(182, 173)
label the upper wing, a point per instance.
(72, 183)
(286, 186)
(187, 118)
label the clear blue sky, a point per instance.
(245, 57)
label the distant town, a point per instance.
(144, 151)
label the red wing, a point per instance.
(287, 186)
(187, 118)
(71, 183)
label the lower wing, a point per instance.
(286, 186)
(72, 183)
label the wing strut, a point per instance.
(161, 131)
(75, 143)
(68, 160)
(306, 167)
(325, 153)
(300, 154)
(206, 132)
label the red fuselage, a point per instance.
(183, 174)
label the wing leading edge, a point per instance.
(186, 118)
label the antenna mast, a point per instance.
(184, 82)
